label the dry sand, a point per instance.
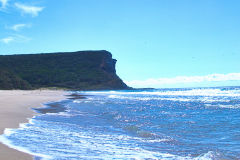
(15, 108)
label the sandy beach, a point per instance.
(15, 108)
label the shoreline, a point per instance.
(16, 108)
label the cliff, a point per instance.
(82, 70)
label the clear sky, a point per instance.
(158, 43)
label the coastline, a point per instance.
(15, 108)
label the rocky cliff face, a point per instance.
(82, 70)
(108, 65)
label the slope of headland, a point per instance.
(82, 70)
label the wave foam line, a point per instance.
(8, 131)
(8, 143)
(193, 92)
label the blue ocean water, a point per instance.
(165, 124)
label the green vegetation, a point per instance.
(83, 70)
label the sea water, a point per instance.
(165, 124)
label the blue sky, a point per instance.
(158, 43)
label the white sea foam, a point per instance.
(237, 106)
(32, 120)
(209, 156)
(229, 106)
(148, 98)
(23, 125)
(192, 92)
(65, 114)
(8, 131)
(77, 101)
(200, 99)
(7, 142)
(157, 140)
(82, 101)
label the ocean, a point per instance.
(164, 124)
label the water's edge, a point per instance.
(46, 107)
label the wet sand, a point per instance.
(15, 108)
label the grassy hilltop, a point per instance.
(82, 70)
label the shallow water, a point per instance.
(184, 124)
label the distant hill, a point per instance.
(82, 70)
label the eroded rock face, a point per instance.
(82, 70)
(108, 64)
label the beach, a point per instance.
(15, 108)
